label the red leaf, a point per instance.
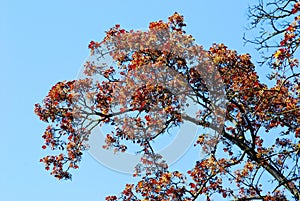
(148, 118)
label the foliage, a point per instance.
(258, 137)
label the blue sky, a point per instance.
(43, 42)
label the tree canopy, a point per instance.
(141, 84)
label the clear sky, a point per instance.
(43, 42)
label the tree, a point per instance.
(155, 75)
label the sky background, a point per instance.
(43, 42)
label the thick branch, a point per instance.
(252, 154)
